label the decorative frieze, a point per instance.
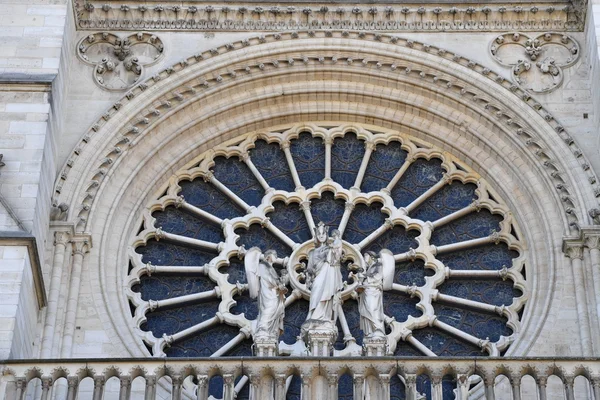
(191, 16)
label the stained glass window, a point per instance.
(458, 264)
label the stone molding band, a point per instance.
(190, 16)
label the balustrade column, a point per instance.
(575, 254)
(21, 385)
(280, 387)
(98, 388)
(490, 383)
(46, 384)
(176, 382)
(202, 393)
(463, 387)
(516, 387)
(436, 388)
(80, 248)
(569, 381)
(60, 243)
(410, 383)
(72, 382)
(125, 387)
(332, 380)
(384, 380)
(595, 387)
(228, 387)
(359, 386)
(305, 387)
(541, 384)
(150, 392)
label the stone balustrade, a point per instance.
(315, 378)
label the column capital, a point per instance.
(80, 246)
(573, 250)
(202, 380)
(72, 381)
(61, 237)
(46, 383)
(592, 241)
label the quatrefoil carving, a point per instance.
(119, 62)
(537, 62)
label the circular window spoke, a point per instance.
(458, 288)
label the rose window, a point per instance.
(459, 278)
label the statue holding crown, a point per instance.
(324, 277)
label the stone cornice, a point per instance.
(18, 238)
(429, 16)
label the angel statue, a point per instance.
(378, 277)
(269, 288)
(324, 277)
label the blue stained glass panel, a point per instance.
(472, 226)
(397, 240)
(177, 221)
(406, 350)
(400, 306)
(420, 176)
(160, 287)
(353, 320)
(270, 161)
(445, 201)
(295, 315)
(236, 271)
(328, 210)
(412, 273)
(208, 342)
(443, 344)
(424, 386)
(384, 162)
(496, 292)
(164, 253)
(308, 153)
(478, 324)
(236, 175)
(397, 388)
(244, 304)
(448, 387)
(345, 387)
(171, 321)
(294, 391)
(488, 257)
(265, 240)
(346, 156)
(244, 393)
(215, 387)
(208, 198)
(290, 220)
(363, 221)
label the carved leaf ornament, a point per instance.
(119, 61)
(537, 61)
(458, 288)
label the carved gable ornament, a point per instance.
(537, 62)
(119, 62)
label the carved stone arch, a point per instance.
(471, 112)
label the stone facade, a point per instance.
(88, 146)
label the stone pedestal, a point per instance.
(320, 337)
(266, 346)
(375, 347)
